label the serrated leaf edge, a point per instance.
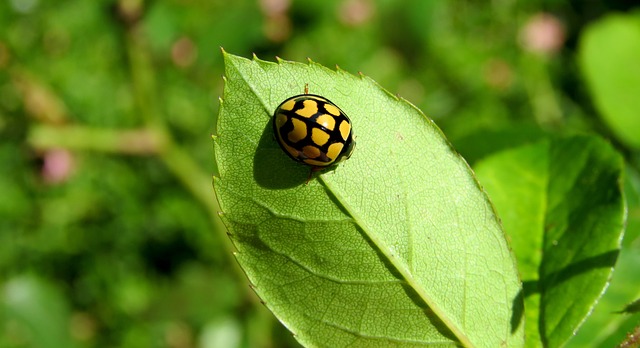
(408, 278)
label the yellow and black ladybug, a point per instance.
(313, 130)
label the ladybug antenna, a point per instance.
(306, 88)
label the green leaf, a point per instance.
(562, 205)
(395, 246)
(606, 327)
(609, 54)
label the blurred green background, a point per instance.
(108, 223)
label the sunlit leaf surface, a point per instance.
(397, 246)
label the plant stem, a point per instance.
(178, 162)
(546, 108)
(132, 142)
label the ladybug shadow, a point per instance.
(272, 168)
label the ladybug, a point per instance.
(313, 130)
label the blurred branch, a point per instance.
(143, 80)
(52, 128)
(133, 142)
(195, 180)
(40, 101)
(543, 96)
(178, 162)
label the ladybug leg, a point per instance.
(313, 170)
(309, 177)
(306, 88)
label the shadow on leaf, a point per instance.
(604, 260)
(272, 168)
(555, 278)
(518, 311)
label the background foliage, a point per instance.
(108, 226)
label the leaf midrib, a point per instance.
(399, 265)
